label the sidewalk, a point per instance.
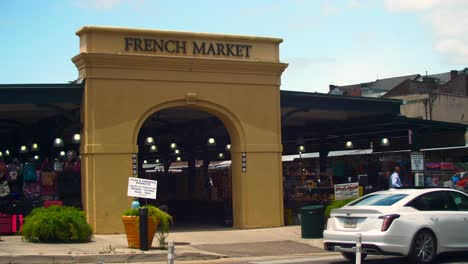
(210, 244)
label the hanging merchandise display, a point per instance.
(4, 189)
(69, 181)
(48, 179)
(58, 167)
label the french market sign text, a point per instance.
(184, 47)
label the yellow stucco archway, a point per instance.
(130, 74)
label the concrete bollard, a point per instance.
(358, 248)
(170, 252)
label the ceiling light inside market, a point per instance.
(349, 145)
(153, 148)
(177, 151)
(1, 154)
(211, 142)
(157, 161)
(179, 159)
(34, 147)
(24, 149)
(149, 141)
(36, 157)
(173, 145)
(221, 156)
(76, 138)
(62, 153)
(301, 149)
(385, 142)
(228, 147)
(7, 153)
(58, 142)
(145, 162)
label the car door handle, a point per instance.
(435, 219)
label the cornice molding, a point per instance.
(174, 63)
(178, 34)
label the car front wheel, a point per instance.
(424, 248)
(352, 256)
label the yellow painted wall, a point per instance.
(123, 88)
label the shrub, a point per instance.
(153, 212)
(336, 204)
(57, 224)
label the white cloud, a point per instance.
(447, 21)
(99, 4)
(355, 4)
(410, 5)
(328, 9)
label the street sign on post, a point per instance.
(417, 161)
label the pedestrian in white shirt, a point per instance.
(395, 178)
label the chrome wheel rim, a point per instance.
(425, 247)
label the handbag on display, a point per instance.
(3, 170)
(48, 179)
(13, 172)
(58, 167)
(4, 189)
(31, 190)
(29, 173)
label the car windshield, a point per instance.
(379, 200)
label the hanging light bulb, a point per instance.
(36, 157)
(228, 147)
(145, 162)
(23, 149)
(149, 141)
(211, 142)
(34, 147)
(1, 154)
(177, 152)
(179, 159)
(62, 153)
(385, 142)
(58, 142)
(349, 145)
(7, 153)
(153, 148)
(221, 156)
(301, 149)
(157, 161)
(76, 138)
(173, 145)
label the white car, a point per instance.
(418, 223)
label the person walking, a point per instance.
(395, 181)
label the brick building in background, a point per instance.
(438, 97)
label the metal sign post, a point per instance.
(144, 229)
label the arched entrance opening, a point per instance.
(188, 151)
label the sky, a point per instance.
(336, 42)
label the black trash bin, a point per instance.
(312, 221)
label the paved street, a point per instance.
(323, 258)
(282, 245)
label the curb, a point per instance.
(105, 258)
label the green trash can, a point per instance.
(312, 221)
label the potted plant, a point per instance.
(157, 218)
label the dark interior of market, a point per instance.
(188, 152)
